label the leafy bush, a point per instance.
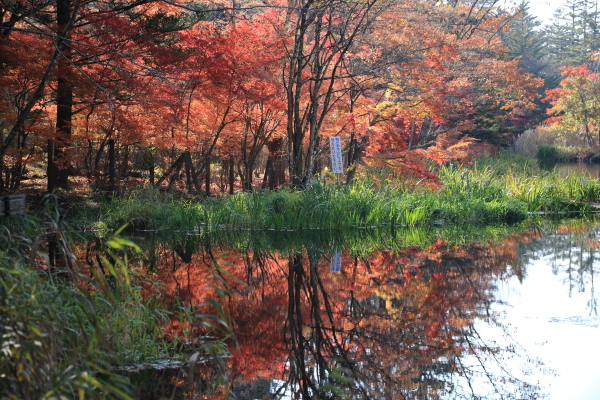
(547, 154)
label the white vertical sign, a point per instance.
(336, 262)
(335, 147)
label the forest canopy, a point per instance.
(403, 83)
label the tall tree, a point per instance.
(576, 103)
(64, 96)
(32, 14)
(322, 35)
(574, 34)
(440, 81)
(526, 40)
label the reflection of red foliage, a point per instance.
(398, 311)
(427, 297)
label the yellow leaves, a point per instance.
(384, 105)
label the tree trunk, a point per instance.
(64, 101)
(276, 153)
(39, 92)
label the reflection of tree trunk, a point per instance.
(298, 372)
(315, 342)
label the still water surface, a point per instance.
(565, 169)
(448, 318)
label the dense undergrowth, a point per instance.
(507, 188)
(64, 327)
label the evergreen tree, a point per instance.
(573, 36)
(526, 41)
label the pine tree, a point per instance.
(526, 41)
(573, 36)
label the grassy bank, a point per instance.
(501, 189)
(65, 327)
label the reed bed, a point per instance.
(538, 190)
(507, 188)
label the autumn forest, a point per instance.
(401, 82)
(190, 230)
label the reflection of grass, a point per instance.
(502, 189)
(357, 241)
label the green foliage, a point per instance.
(539, 190)
(52, 338)
(547, 156)
(498, 189)
(547, 153)
(573, 32)
(526, 42)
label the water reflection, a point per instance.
(573, 169)
(428, 315)
(556, 308)
(391, 324)
(572, 254)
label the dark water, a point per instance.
(410, 315)
(592, 170)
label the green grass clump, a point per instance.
(500, 189)
(539, 190)
(52, 333)
(547, 154)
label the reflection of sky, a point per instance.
(555, 328)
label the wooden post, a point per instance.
(231, 176)
(111, 163)
(52, 250)
(151, 167)
(12, 203)
(188, 171)
(6, 203)
(207, 176)
(51, 170)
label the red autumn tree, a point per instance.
(576, 103)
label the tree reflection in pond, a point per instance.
(390, 325)
(572, 253)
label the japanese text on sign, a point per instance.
(335, 146)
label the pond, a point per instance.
(568, 169)
(439, 313)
